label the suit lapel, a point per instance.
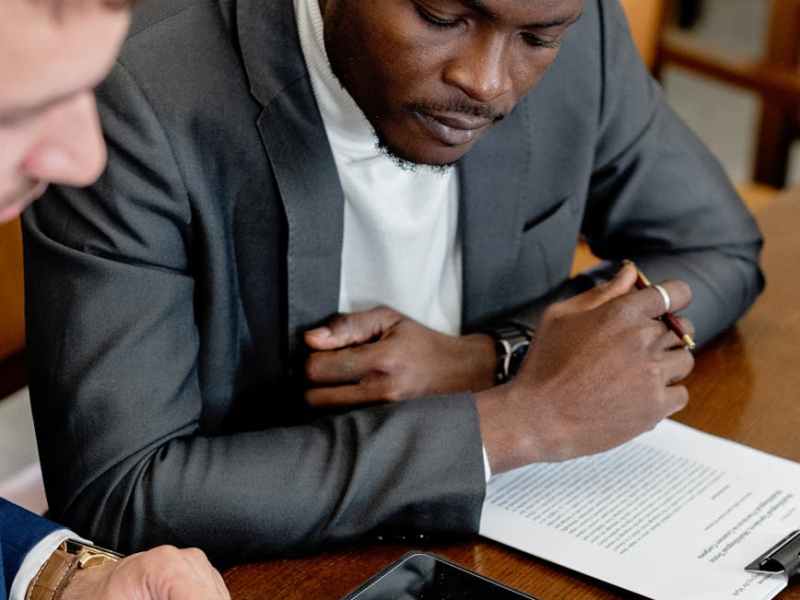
(293, 134)
(309, 186)
(492, 179)
(294, 138)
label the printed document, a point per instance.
(675, 514)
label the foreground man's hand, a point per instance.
(601, 372)
(164, 573)
(382, 355)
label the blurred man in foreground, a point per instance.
(52, 54)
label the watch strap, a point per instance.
(57, 571)
(511, 343)
(54, 575)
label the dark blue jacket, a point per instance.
(20, 531)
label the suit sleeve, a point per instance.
(659, 197)
(20, 532)
(118, 402)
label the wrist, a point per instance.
(71, 561)
(511, 341)
(85, 583)
(510, 441)
(479, 360)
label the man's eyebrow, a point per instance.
(559, 22)
(479, 7)
(21, 113)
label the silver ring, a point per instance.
(664, 296)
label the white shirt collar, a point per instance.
(348, 129)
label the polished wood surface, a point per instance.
(746, 387)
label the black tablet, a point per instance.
(422, 576)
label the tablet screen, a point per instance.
(426, 577)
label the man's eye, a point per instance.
(434, 20)
(538, 42)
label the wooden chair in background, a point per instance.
(780, 121)
(646, 19)
(775, 77)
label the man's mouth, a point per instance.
(452, 129)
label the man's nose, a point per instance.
(482, 70)
(71, 150)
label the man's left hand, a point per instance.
(381, 355)
(163, 573)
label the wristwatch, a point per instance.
(68, 558)
(512, 341)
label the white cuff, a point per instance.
(487, 469)
(36, 557)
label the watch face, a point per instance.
(517, 356)
(76, 547)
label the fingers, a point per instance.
(193, 592)
(669, 340)
(677, 364)
(676, 397)
(620, 285)
(374, 387)
(348, 365)
(650, 302)
(343, 395)
(167, 573)
(205, 572)
(354, 328)
(201, 580)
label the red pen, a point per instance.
(669, 319)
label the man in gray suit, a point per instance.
(274, 164)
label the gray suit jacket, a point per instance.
(166, 304)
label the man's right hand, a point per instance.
(601, 371)
(163, 573)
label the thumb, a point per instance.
(353, 328)
(622, 283)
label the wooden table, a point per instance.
(746, 387)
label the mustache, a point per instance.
(460, 105)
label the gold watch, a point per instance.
(69, 557)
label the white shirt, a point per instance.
(401, 245)
(35, 559)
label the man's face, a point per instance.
(432, 76)
(50, 61)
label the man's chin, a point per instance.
(15, 204)
(436, 157)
